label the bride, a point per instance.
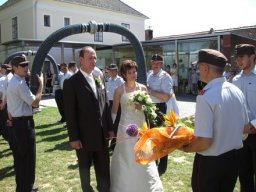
(126, 174)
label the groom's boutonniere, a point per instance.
(99, 82)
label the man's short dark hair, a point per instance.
(71, 64)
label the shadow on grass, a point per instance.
(54, 138)
(53, 131)
(6, 172)
(73, 167)
(64, 146)
(45, 126)
(5, 152)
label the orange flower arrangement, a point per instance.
(158, 142)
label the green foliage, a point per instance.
(57, 169)
(187, 122)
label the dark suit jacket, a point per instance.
(88, 118)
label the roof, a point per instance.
(111, 5)
(245, 31)
(8, 3)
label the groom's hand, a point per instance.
(111, 135)
(76, 144)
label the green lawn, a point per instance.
(57, 169)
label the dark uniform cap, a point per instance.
(63, 64)
(212, 57)
(6, 66)
(21, 59)
(244, 49)
(157, 57)
(112, 66)
(72, 62)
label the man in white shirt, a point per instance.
(114, 81)
(246, 81)
(65, 74)
(6, 72)
(72, 67)
(221, 115)
(160, 89)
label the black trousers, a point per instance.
(24, 153)
(247, 165)
(215, 173)
(162, 163)
(60, 103)
(116, 123)
(100, 160)
(3, 129)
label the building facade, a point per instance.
(25, 24)
(183, 49)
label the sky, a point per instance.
(174, 17)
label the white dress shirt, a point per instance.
(91, 81)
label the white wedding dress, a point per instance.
(126, 174)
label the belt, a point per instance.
(23, 118)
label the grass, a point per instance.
(57, 169)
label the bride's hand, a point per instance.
(138, 106)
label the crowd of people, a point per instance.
(96, 110)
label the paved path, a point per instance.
(186, 104)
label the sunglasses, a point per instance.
(23, 65)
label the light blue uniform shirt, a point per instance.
(4, 84)
(221, 115)
(161, 82)
(112, 84)
(63, 77)
(19, 97)
(247, 84)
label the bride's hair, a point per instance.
(126, 65)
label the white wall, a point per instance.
(81, 14)
(23, 11)
(30, 14)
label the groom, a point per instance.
(89, 121)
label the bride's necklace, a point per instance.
(130, 89)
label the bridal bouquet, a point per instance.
(148, 107)
(159, 141)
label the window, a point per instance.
(15, 28)
(47, 21)
(128, 27)
(98, 36)
(66, 21)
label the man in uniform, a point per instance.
(65, 74)
(5, 71)
(246, 81)
(114, 81)
(160, 91)
(220, 118)
(20, 101)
